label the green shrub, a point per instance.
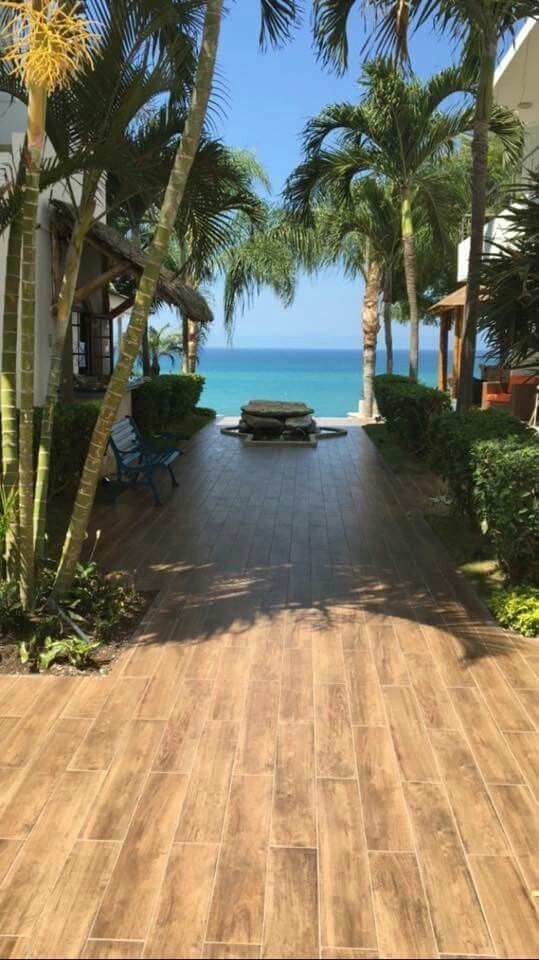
(13, 618)
(71, 434)
(451, 437)
(163, 400)
(72, 430)
(506, 496)
(517, 608)
(407, 408)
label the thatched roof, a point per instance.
(169, 288)
(455, 299)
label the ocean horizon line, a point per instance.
(313, 349)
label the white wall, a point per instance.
(12, 123)
(496, 231)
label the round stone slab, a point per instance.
(280, 409)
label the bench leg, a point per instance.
(151, 484)
(172, 477)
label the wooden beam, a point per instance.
(121, 308)
(117, 270)
(442, 353)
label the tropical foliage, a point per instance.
(396, 132)
(121, 89)
(509, 313)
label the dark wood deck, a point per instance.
(320, 745)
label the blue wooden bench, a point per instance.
(137, 461)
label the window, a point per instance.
(92, 344)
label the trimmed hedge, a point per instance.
(71, 434)
(165, 399)
(451, 438)
(506, 497)
(407, 408)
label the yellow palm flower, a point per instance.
(46, 43)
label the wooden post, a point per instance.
(442, 353)
(457, 348)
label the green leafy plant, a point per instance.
(407, 408)
(517, 608)
(8, 530)
(165, 399)
(450, 440)
(13, 618)
(506, 497)
(8, 511)
(72, 649)
(95, 611)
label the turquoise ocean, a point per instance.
(328, 380)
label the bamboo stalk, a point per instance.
(37, 104)
(156, 253)
(8, 380)
(63, 318)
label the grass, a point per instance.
(398, 459)
(472, 553)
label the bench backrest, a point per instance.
(126, 441)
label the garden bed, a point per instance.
(104, 613)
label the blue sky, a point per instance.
(265, 100)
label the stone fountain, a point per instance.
(279, 422)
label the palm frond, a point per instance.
(277, 21)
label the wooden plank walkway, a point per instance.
(319, 746)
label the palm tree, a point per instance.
(162, 344)
(221, 206)
(397, 132)
(479, 25)
(8, 372)
(390, 21)
(41, 67)
(277, 16)
(123, 85)
(269, 256)
(364, 236)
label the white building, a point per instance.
(516, 85)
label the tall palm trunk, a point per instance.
(483, 110)
(145, 350)
(371, 325)
(388, 332)
(37, 105)
(408, 247)
(155, 255)
(146, 361)
(185, 343)
(8, 378)
(63, 318)
(192, 345)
